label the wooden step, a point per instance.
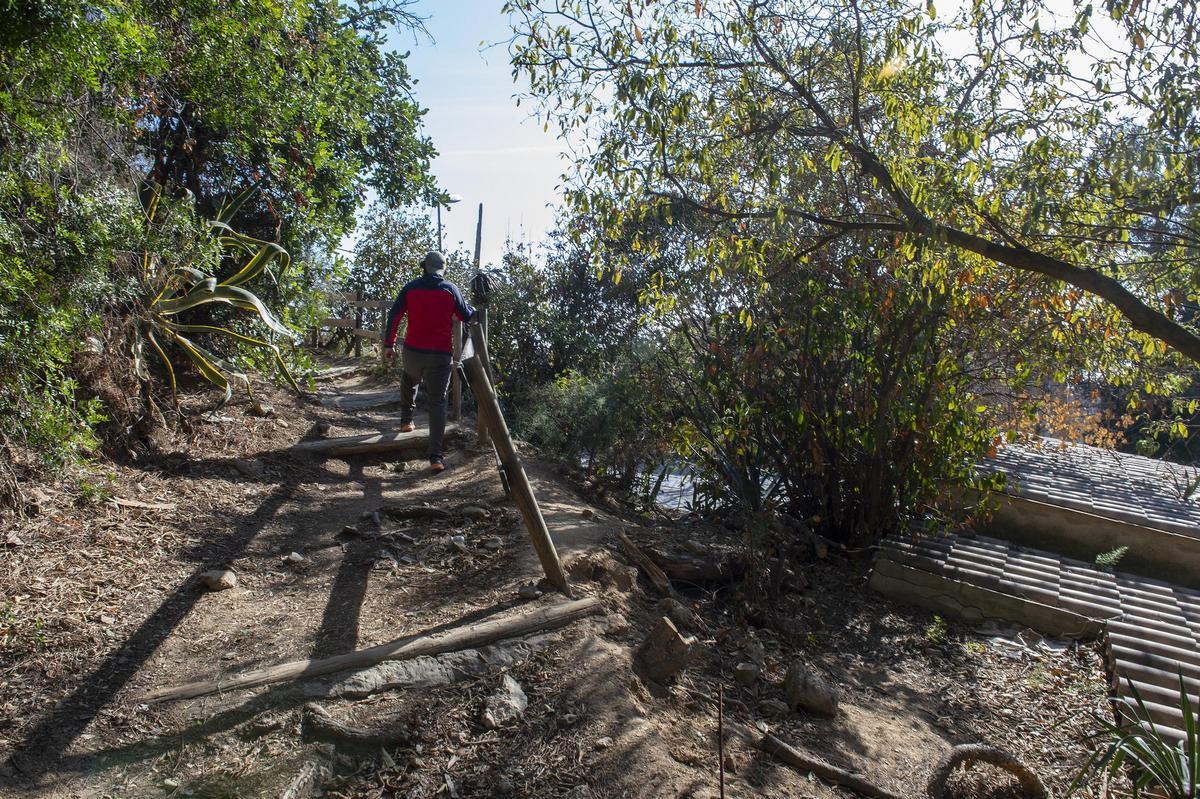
(413, 444)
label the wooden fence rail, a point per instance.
(355, 300)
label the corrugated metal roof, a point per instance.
(1152, 627)
(1116, 485)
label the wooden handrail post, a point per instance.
(358, 321)
(510, 462)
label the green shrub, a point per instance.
(597, 421)
(1155, 762)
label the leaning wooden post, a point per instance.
(510, 462)
(479, 295)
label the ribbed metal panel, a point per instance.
(1152, 627)
(1116, 485)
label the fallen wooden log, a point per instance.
(318, 725)
(812, 764)
(712, 567)
(516, 481)
(643, 562)
(361, 401)
(414, 443)
(415, 512)
(529, 621)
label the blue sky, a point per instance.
(491, 151)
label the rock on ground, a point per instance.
(809, 691)
(746, 673)
(219, 579)
(679, 613)
(506, 705)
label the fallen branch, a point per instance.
(643, 561)
(529, 621)
(812, 764)
(414, 512)
(1031, 786)
(320, 726)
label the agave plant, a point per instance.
(174, 289)
(1155, 762)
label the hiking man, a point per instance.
(432, 304)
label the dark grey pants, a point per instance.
(432, 369)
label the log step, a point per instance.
(414, 443)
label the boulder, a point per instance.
(746, 674)
(809, 691)
(250, 468)
(773, 708)
(475, 513)
(219, 579)
(676, 611)
(506, 705)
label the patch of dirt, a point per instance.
(101, 604)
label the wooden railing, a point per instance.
(358, 303)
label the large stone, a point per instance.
(746, 673)
(219, 579)
(625, 578)
(475, 513)
(506, 705)
(676, 611)
(250, 468)
(809, 691)
(665, 652)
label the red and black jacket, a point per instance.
(432, 303)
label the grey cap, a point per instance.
(434, 262)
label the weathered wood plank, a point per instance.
(361, 401)
(417, 442)
(531, 620)
(338, 323)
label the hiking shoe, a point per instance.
(437, 465)
(407, 427)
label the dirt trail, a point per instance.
(591, 728)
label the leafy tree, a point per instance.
(389, 250)
(299, 100)
(553, 313)
(1057, 145)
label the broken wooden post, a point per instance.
(665, 652)
(510, 462)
